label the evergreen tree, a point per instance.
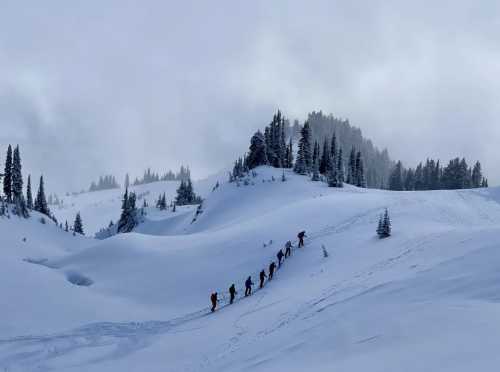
(17, 177)
(396, 178)
(315, 153)
(387, 224)
(17, 185)
(380, 227)
(340, 169)
(290, 154)
(351, 168)
(332, 174)
(409, 180)
(333, 148)
(283, 146)
(258, 152)
(29, 194)
(129, 217)
(359, 172)
(303, 165)
(66, 226)
(384, 226)
(7, 176)
(477, 175)
(324, 158)
(40, 200)
(78, 225)
(127, 181)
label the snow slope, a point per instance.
(425, 299)
(100, 207)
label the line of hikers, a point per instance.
(262, 276)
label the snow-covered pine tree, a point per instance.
(66, 226)
(7, 176)
(380, 227)
(17, 185)
(359, 172)
(477, 175)
(283, 146)
(40, 200)
(351, 167)
(324, 158)
(332, 175)
(258, 152)
(290, 154)
(333, 148)
(29, 194)
(78, 225)
(340, 169)
(277, 142)
(387, 228)
(128, 219)
(304, 155)
(307, 136)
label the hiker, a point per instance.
(272, 267)
(263, 276)
(301, 236)
(232, 294)
(213, 298)
(248, 286)
(280, 257)
(288, 249)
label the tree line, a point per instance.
(150, 176)
(20, 202)
(431, 175)
(325, 162)
(106, 182)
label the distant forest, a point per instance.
(378, 164)
(341, 154)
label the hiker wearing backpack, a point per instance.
(288, 249)
(262, 277)
(280, 257)
(301, 236)
(272, 267)
(232, 294)
(213, 298)
(248, 286)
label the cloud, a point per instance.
(120, 86)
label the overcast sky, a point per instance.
(92, 87)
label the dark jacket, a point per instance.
(248, 282)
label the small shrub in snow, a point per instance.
(42, 220)
(325, 252)
(384, 225)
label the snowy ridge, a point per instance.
(401, 303)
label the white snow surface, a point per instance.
(425, 299)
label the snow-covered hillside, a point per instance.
(425, 299)
(98, 208)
